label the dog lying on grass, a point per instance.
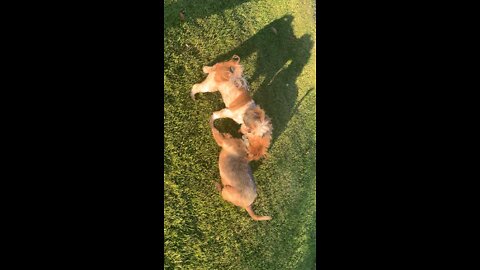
(236, 175)
(226, 77)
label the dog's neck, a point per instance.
(241, 82)
(230, 92)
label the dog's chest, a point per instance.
(228, 97)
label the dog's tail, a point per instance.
(255, 217)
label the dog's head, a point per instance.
(255, 121)
(225, 71)
(257, 146)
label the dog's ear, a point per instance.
(207, 69)
(236, 59)
(260, 113)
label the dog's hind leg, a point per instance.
(227, 113)
(224, 113)
(232, 195)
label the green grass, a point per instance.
(201, 230)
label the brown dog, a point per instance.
(226, 77)
(237, 178)
(257, 132)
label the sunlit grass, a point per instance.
(201, 230)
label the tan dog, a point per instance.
(237, 178)
(226, 77)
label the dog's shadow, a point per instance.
(280, 58)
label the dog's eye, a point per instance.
(232, 69)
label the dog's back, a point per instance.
(235, 171)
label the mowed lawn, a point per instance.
(275, 40)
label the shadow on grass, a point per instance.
(280, 58)
(195, 9)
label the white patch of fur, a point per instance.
(241, 82)
(245, 140)
(263, 128)
(238, 80)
